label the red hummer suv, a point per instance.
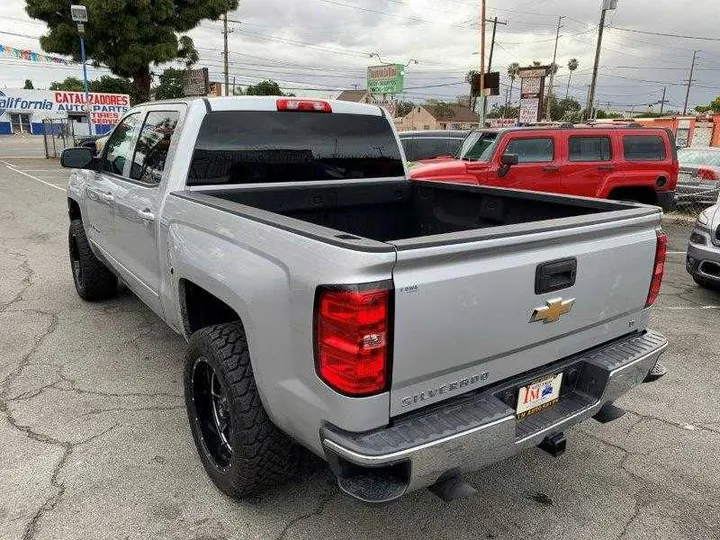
(610, 162)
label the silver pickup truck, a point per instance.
(403, 331)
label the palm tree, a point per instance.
(512, 72)
(573, 64)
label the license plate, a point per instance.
(539, 395)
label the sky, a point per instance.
(317, 47)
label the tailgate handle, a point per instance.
(555, 275)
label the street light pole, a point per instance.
(689, 83)
(79, 15)
(607, 5)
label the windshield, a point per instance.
(478, 146)
(699, 157)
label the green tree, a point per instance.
(573, 64)
(512, 71)
(702, 109)
(504, 111)
(567, 109)
(404, 108)
(715, 105)
(125, 36)
(113, 85)
(70, 84)
(28, 85)
(264, 88)
(440, 109)
(171, 86)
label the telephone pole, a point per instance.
(607, 5)
(689, 82)
(663, 101)
(552, 69)
(225, 54)
(494, 22)
(483, 11)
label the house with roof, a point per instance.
(439, 116)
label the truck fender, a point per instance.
(248, 282)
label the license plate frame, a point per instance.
(538, 395)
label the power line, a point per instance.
(368, 10)
(663, 34)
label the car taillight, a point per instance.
(707, 174)
(352, 346)
(304, 105)
(658, 268)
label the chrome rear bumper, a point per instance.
(472, 432)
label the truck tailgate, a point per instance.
(463, 311)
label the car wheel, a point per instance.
(93, 280)
(242, 451)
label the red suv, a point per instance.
(610, 162)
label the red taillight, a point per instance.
(707, 174)
(658, 268)
(305, 105)
(351, 338)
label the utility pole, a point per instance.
(494, 22)
(607, 5)
(552, 69)
(225, 54)
(663, 101)
(690, 81)
(483, 11)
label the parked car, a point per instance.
(608, 162)
(428, 146)
(699, 178)
(703, 254)
(402, 331)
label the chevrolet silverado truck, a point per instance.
(405, 332)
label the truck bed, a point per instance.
(406, 213)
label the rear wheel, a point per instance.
(93, 280)
(239, 446)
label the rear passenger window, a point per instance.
(408, 146)
(538, 150)
(430, 148)
(644, 148)
(590, 149)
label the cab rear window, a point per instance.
(644, 148)
(260, 147)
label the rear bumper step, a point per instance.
(474, 431)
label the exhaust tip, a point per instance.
(451, 486)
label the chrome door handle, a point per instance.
(146, 215)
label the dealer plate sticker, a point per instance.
(539, 396)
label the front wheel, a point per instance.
(239, 446)
(93, 280)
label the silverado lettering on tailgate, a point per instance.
(445, 388)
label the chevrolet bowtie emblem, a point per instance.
(552, 312)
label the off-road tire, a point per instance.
(93, 280)
(262, 456)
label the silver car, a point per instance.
(699, 177)
(703, 255)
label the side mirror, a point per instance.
(509, 159)
(506, 161)
(78, 158)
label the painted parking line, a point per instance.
(686, 308)
(677, 252)
(31, 176)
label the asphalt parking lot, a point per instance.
(94, 438)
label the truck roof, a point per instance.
(270, 103)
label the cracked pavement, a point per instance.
(95, 442)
